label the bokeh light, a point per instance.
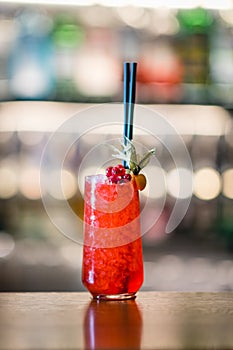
(207, 183)
(99, 69)
(135, 17)
(29, 183)
(68, 186)
(8, 182)
(175, 188)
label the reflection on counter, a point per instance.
(34, 255)
(115, 325)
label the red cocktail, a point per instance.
(112, 253)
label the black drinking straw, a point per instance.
(130, 70)
(126, 97)
(132, 94)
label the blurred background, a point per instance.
(59, 57)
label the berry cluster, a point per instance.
(116, 174)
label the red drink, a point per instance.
(112, 253)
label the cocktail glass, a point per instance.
(112, 266)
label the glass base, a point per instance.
(123, 296)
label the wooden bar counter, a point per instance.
(154, 320)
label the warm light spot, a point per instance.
(29, 183)
(62, 184)
(8, 182)
(207, 183)
(134, 16)
(228, 183)
(96, 74)
(29, 81)
(203, 120)
(178, 183)
(163, 22)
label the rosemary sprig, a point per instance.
(128, 154)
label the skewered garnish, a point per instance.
(134, 164)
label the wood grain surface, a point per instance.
(154, 320)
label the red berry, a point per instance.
(118, 170)
(115, 178)
(127, 177)
(120, 166)
(116, 173)
(115, 170)
(109, 171)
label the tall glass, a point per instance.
(112, 253)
